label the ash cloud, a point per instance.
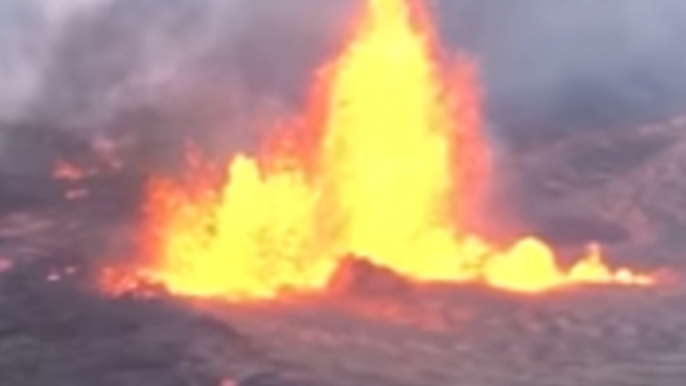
(546, 65)
(28, 30)
(24, 36)
(163, 70)
(570, 65)
(131, 53)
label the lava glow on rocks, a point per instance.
(384, 164)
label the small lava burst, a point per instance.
(5, 265)
(67, 171)
(386, 163)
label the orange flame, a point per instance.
(386, 164)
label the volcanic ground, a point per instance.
(374, 329)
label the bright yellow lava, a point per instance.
(388, 161)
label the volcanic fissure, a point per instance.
(385, 163)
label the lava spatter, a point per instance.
(385, 164)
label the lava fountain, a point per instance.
(386, 163)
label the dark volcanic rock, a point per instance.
(358, 276)
(623, 188)
(58, 334)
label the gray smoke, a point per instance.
(160, 71)
(545, 64)
(28, 30)
(126, 53)
(24, 37)
(576, 64)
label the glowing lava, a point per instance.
(66, 171)
(386, 165)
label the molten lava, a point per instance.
(385, 164)
(67, 171)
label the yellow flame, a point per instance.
(384, 172)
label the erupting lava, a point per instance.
(385, 165)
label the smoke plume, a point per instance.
(546, 65)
